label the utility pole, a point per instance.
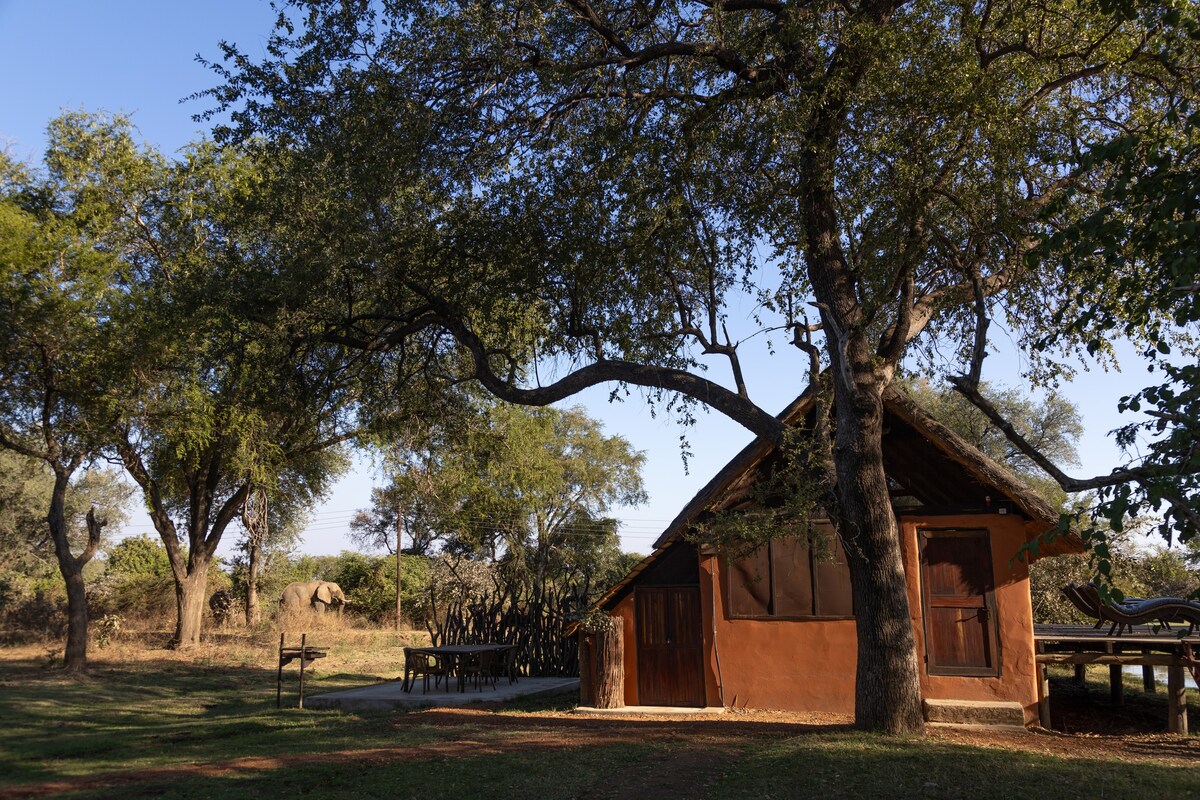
(399, 561)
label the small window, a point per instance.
(788, 579)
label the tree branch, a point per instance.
(735, 406)
(1140, 475)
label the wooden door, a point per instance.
(958, 601)
(670, 646)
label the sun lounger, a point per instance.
(1123, 616)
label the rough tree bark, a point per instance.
(887, 685)
(71, 567)
(609, 657)
(190, 604)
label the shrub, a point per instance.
(370, 584)
(39, 616)
(107, 628)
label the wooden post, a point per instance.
(1177, 721)
(610, 668)
(1043, 691)
(587, 670)
(303, 652)
(1149, 684)
(399, 561)
(1080, 674)
(1116, 687)
(279, 677)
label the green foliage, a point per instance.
(1163, 572)
(137, 557)
(107, 629)
(526, 487)
(24, 497)
(789, 493)
(1124, 566)
(137, 580)
(370, 585)
(1132, 261)
(59, 301)
(597, 620)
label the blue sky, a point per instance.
(139, 58)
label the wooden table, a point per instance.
(1081, 645)
(454, 656)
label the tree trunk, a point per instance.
(609, 656)
(71, 568)
(77, 614)
(253, 568)
(189, 606)
(887, 688)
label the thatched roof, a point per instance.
(932, 435)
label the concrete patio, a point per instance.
(392, 695)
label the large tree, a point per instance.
(589, 186)
(57, 293)
(220, 392)
(528, 488)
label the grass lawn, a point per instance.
(149, 722)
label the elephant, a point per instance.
(313, 595)
(221, 604)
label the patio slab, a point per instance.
(391, 695)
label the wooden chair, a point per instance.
(426, 665)
(481, 667)
(508, 664)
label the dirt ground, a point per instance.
(1096, 731)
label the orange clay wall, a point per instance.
(810, 665)
(785, 664)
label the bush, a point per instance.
(370, 585)
(107, 628)
(1136, 571)
(39, 617)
